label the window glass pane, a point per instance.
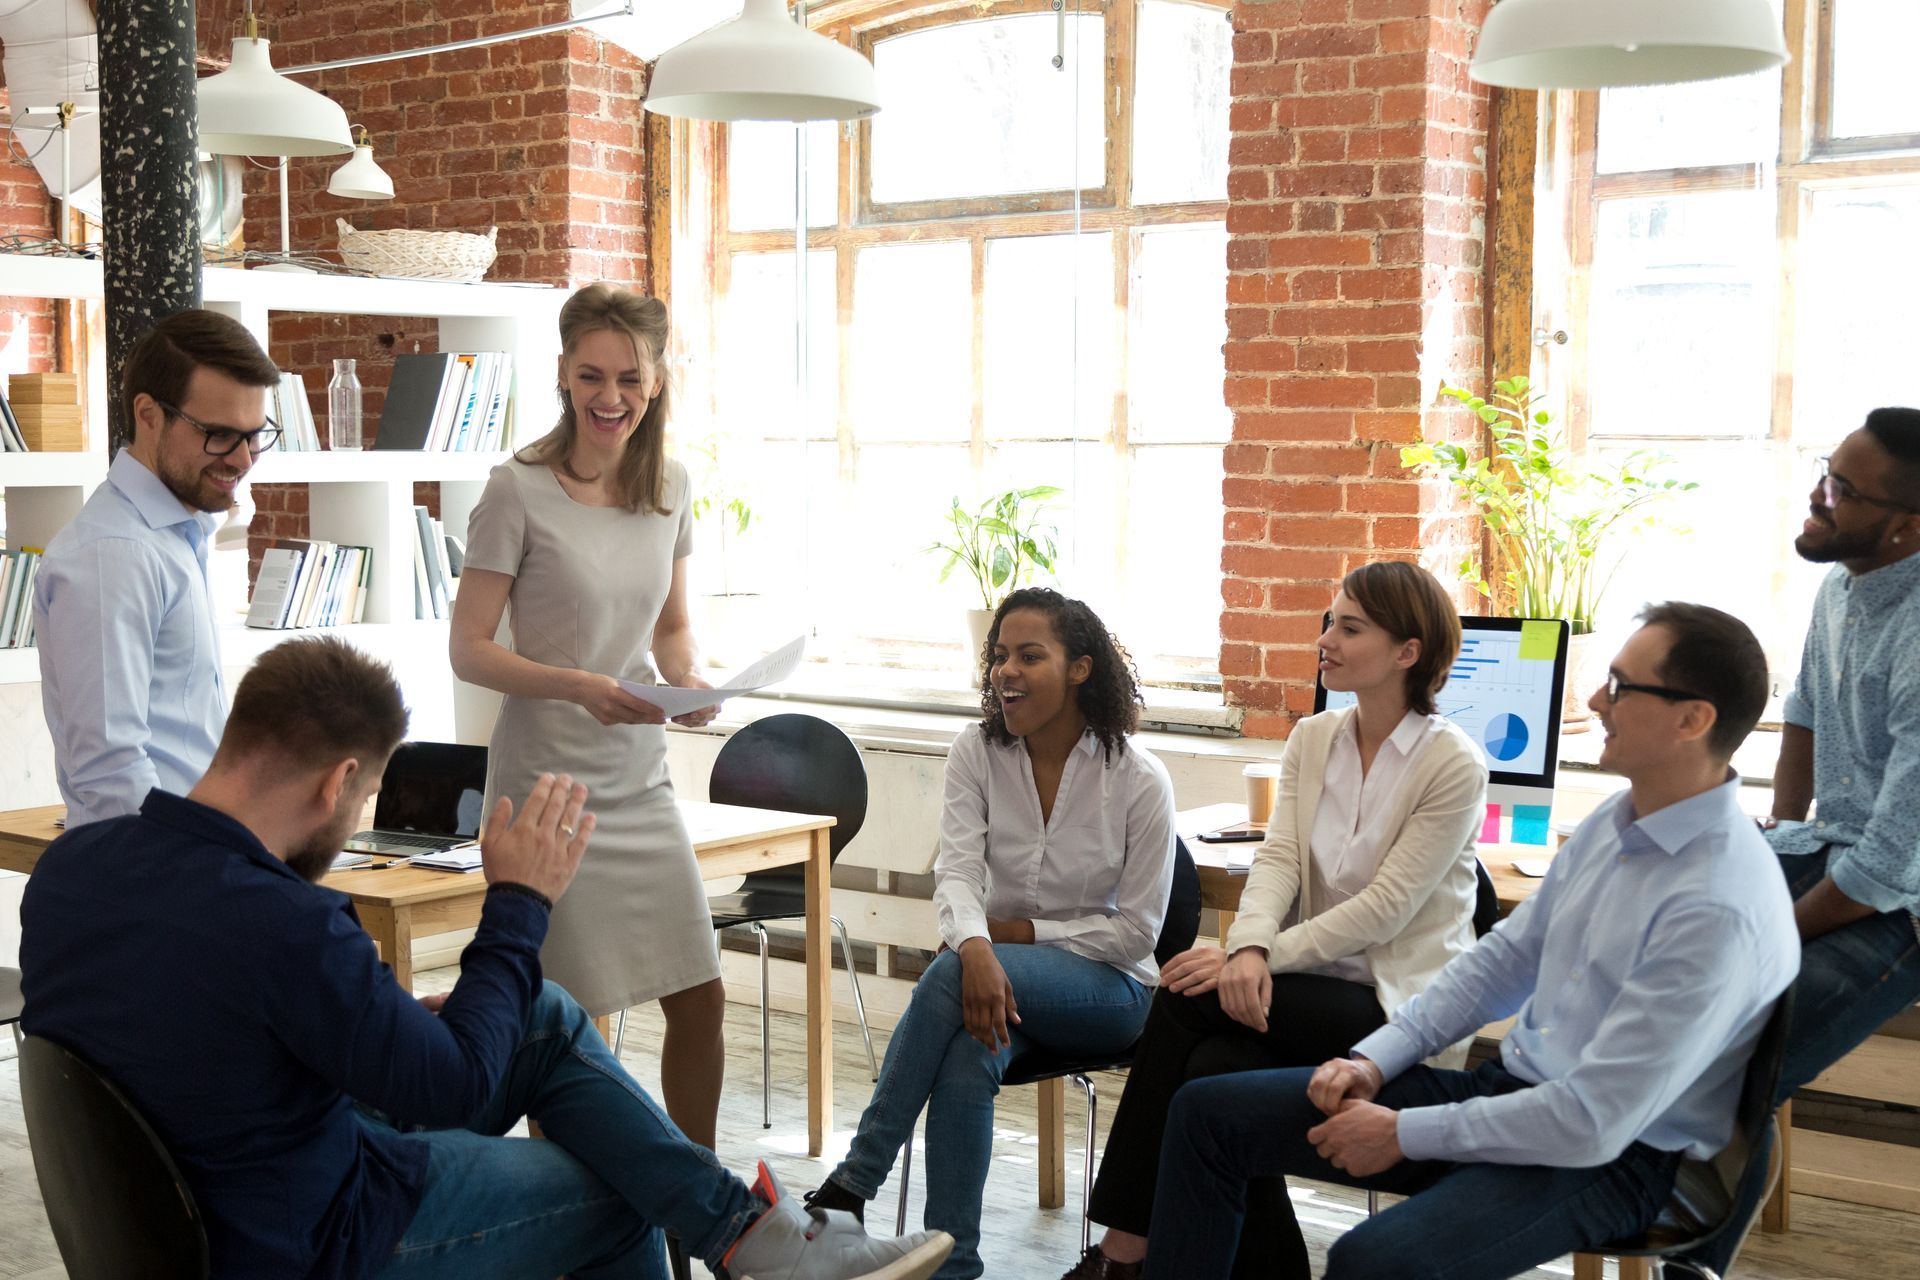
(1049, 362)
(913, 342)
(1873, 48)
(885, 586)
(978, 109)
(1176, 364)
(1170, 577)
(1180, 102)
(755, 392)
(760, 174)
(1857, 281)
(1684, 126)
(1680, 330)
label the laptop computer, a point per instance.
(432, 797)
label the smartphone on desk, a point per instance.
(1236, 834)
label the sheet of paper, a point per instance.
(1189, 823)
(768, 671)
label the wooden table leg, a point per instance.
(1777, 1218)
(391, 929)
(1636, 1269)
(1588, 1266)
(819, 996)
(1053, 1142)
(1226, 923)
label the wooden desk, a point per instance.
(400, 904)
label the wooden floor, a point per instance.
(1022, 1242)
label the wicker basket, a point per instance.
(418, 255)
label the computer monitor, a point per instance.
(1505, 692)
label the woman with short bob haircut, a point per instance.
(1361, 894)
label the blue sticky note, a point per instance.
(1530, 823)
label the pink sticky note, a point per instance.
(1490, 829)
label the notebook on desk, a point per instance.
(432, 797)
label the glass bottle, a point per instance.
(343, 407)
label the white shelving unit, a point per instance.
(363, 499)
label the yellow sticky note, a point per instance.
(1539, 641)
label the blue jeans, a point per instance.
(591, 1200)
(1067, 1004)
(1461, 1222)
(1851, 981)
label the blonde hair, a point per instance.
(640, 481)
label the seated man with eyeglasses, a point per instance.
(1850, 753)
(122, 613)
(1639, 976)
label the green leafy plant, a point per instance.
(1001, 542)
(714, 497)
(1548, 512)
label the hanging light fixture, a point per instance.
(360, 178)
(1603, 44)
(763, 66)
(251, 110)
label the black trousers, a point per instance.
(1312, 1018)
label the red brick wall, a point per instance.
(1356, 206)
(26, 324)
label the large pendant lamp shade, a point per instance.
(252, 110)
(763, 66)
(1602, 44)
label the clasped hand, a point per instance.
(1359, 1136)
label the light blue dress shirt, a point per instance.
(1859, 692)
(129, 655)
(1642, 972)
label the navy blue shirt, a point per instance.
(245, 1012)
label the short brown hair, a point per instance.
(1408, 603)
(313, 701)
(1715, 657)
(163, 359)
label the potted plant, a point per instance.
(1547, 512)
(1000, 543)
(729, 613)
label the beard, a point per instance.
(190, 485)
(313, 857)
(1834, 546)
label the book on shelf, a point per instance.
(444, 402)
(18, 569)
(11, 441)
(294, 412)
(309, 582)
(434, 580)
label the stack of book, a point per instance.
(46, 409)
(311, 583)
(446, 402)
(292, 410)
(436, 567)
(17, 570)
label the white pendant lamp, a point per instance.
(1602, 44)
(252, 110)
(763, 66)
(360, 178)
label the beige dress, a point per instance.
(588, 584)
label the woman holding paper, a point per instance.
(581, 541)
(1361, 894)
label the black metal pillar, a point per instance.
(147, 176)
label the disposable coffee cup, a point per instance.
(1263, 784)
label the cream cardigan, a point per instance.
(1417, 912)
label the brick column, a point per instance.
(1355, 219)
(26, 324)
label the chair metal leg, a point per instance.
(619, 1031)
(766, 1033)
(859, 1005)
(906, 1180)
(1373, 1203)
(1086, 1182)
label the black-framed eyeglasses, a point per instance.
(1834, 490)
(221, 441)
(1616, 686)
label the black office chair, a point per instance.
(117, 1203)
(1708, 1193)
(1177, 933)
(806, 765)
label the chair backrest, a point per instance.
(117, 1204)
(1707, 1194)
(799, 763)
(1182, 923)
(1486, 901)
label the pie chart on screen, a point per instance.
(1506, 736)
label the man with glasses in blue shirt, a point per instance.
(122, 608)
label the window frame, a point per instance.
(1822, 144)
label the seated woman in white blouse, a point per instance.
(1056, 859)
(1362, 892)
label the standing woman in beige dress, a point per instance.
(581, 540)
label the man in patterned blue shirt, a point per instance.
(1851, 751)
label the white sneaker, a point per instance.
(792, 1242)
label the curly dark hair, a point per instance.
(1109, 696)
